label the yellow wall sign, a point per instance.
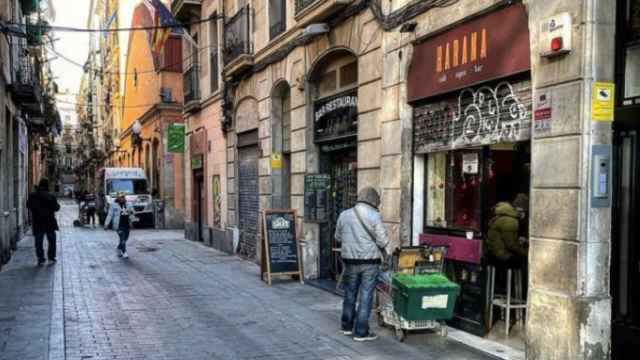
(602, 101)
(276, 161)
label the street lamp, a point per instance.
(136, 129)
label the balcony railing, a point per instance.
(303, 4)
(237, 41)
(192, 84)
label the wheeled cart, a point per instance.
(417, 297)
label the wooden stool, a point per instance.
(506, 302)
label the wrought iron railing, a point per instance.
(237, 39)
(26, 70)
(192, 84)
(303, 4)
(277, 29)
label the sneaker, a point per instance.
(346, 332)
(52, 261)
(369, 337)
(120, 253)
(40, 262)
(125, 255)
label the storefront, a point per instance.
(197, 148)
(335, 135)
(470, 87)
(625, 250)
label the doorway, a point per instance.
(625, 269)
(342, 166)
(199, 205)
(248, 198)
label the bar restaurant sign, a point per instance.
(336, 117)
(486, 48)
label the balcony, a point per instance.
(184, 10)
(192, 89)
(312, 11)
(238, 52)
(25, 85)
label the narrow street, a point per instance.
(173, 299)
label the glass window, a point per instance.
(213, 52)
(277, 18)
(454, 183)
(128, 186)
(349, 74)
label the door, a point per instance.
(342, 167)
(199, 210)
(625, 271)
(248, 199)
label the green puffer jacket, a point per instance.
(502, 240)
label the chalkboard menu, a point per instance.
(316, 197)
(280, 248)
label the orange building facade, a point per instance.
(153, 97)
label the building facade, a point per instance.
(448, 110)
(152, 99)
(28, 114)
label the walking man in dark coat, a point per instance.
(43, 206)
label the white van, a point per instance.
(131, 181)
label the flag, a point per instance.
(165, 22)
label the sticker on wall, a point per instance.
(543, 114)
(276, 161)
(602, 101)
(470, 163)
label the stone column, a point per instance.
(569, 313)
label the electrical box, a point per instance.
(601, 176)
(555, 35)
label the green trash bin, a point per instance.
(424, 296)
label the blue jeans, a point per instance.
(123, 233)
(358, 279)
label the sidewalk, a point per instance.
(176, 299)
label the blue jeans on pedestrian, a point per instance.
(123, 233)
(359, 285)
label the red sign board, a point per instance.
(493, 46)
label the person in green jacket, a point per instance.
(503, 242)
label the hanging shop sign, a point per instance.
(602, 101)
(280, 247)
(485, 115)
(489, 47)
(336, 117)
(175, 138)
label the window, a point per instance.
(277, 18)
(128, 186)
(213, 52)
(453, 190)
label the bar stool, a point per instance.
(506, 302)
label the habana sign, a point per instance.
(489, 47)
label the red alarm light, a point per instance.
(556, 44)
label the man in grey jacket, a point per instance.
(363, 237)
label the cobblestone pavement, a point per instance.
(174, 299)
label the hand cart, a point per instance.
(428, 260)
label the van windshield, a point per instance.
(128, 186)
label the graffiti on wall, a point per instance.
(482, 116)
(217, 202)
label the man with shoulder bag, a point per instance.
(364, 244)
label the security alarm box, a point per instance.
(555, 35)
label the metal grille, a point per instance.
(303, 4)
(474, 117)
(249, 201)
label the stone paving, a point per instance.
(174, 299)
